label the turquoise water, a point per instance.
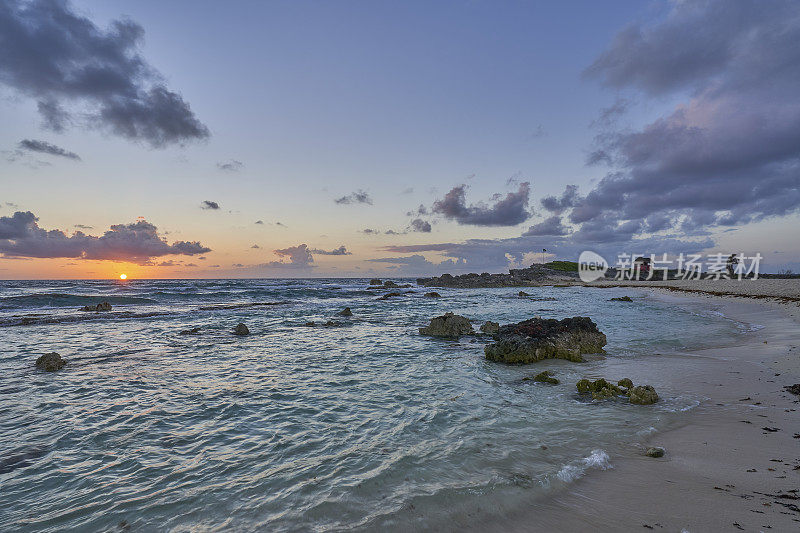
(295, 428)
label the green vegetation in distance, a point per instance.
(565, 266)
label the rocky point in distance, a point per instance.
(545, 274)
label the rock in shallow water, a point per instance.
(490, 328)
(241, 329)
(621, 299)
(601, 389)
(655, 451)
(102, 306)
(345, 312)
(50, 362)
(546, 377)
(643, 395)
(537, 339)
(432, 295)
(448, 325)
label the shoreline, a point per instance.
(722, 470)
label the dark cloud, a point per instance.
(138, 242)
(558, 205)
(508, 211)
(727, 155)
(370, 231)
(255, 247)
(75, 70)
(82, 226)
(299, 257)
(230, 166)
(259, 222)
(342, 250)
(420, 225)
(44, 147)
(609, 115)
(358, 197)
(421, 210)
(551, 226)
(208, 204)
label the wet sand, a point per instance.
(733, 465)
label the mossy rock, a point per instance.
(655, 451)
(584, 386)
(599, 388)
(546, 377)
(625, 383)
(643, 395)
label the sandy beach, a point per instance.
(735, 464)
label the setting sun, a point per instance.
(123, 276)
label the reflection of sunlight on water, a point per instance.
(298, 427)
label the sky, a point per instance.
(373, 138)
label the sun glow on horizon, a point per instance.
(123, 276)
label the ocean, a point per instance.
(358, 424)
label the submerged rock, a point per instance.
(432, 295)
(390, 295)
(50, 362)
(102, 306)
(621, 299)
(490, 328)
(655, 451)
(345, 312)
(193, 331)
(546, 377)
(448, 325)
(241, 329)
(537, 339)
(643, 395)
(375, 281)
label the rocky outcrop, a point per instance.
(621, 299)
(643, 395)
(432, 295)
(601, 389)
(241, 329)
(103, 306)
(193, 331)
(522, 277)
(537, 339)
(375, 281)
(448, 325)
(490, 328)
(345, 312)
(50, 362)
(523, 294)
(794, 389)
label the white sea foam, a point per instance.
(597, 459)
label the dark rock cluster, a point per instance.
(538, 338)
